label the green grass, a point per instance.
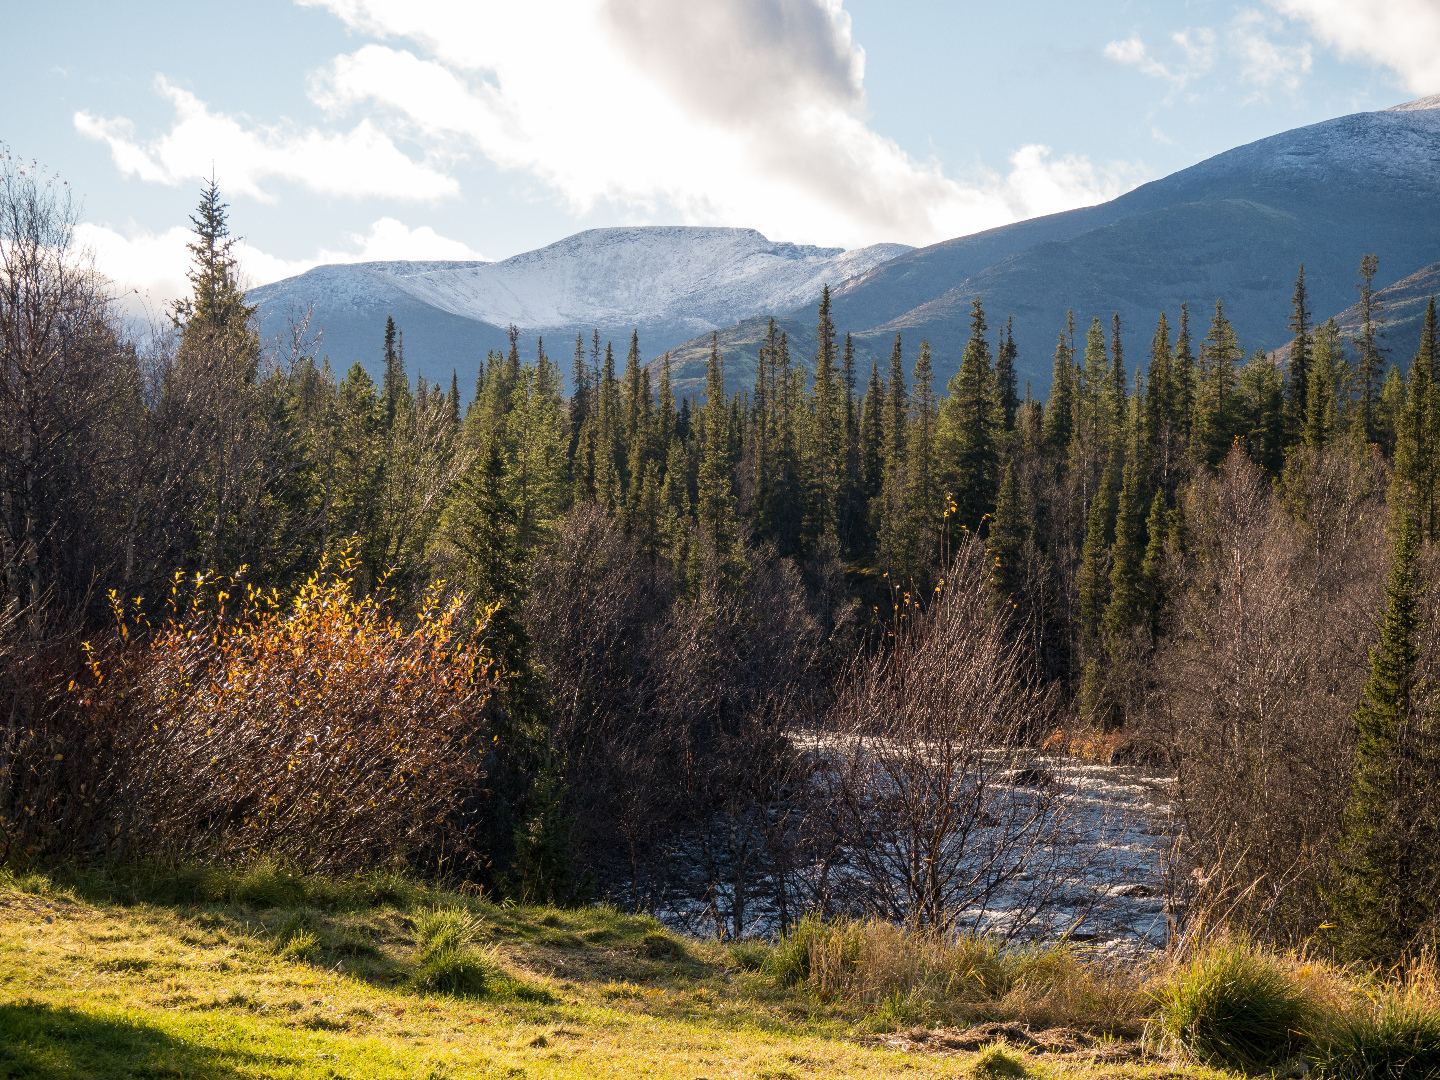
(1392, 1039)
(202, 973)
(1237, 1006)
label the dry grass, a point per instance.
(907, 976)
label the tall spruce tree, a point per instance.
(1006, 539)
(1093, 578)
(1297, 382)
(890, 505)
(715, 508)
(1415, 483)
(397, 383)
(1127, 608)
(923, 496)
(1060, 410)
(1007, 382)
(872, 443)
(969, 423)
(850, 512)
(1320, 418)
(1184, 376)
(1388, 854)
(1369, 364)
(827, 455)
(1215, 412)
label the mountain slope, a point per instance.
(669, 283)
(1234, 227)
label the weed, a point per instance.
(997, 1060)
(459, 971)
(446, 930)
(301, 945)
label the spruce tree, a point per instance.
(1152, 569)
(1060, 409)
(1389, 848)
(890, 503)
(1368, 366)
(1264, 395)
(397, 383)
(1116, 379)
(1093, 579)
(923, 495)
(1007, 535)
(872, 441)
(1007, 381)
(1320, 419)
(609, 445)
(850, 514)
(715, 500)
(827, 446)
(1160, 427)
(1297, 383)
(969, 424)
(1215, 411)
(1184, 378)
(1415, 481)
(1127, 606)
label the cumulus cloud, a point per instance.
(149, 268)
(1266, 63)
(359, 162)
(719, 111)
(1399, 34)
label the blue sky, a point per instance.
(348, 129)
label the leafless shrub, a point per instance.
(1256, 686)
(671, 712)
(927, 738)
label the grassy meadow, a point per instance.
(220, 975)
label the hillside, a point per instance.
(1234, 227)
(669, 283)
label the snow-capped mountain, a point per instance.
(1235, 227)
(668, 283)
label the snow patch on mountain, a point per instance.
(702, 278)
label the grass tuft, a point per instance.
(997, 1060)
(1236, 1005)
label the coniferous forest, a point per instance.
(783, 645)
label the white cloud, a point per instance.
(1266, 63)
(1196, 45)
(359, 162)
(1132, 53)
(149, 269)
(736, 112)
(1403, 35)
(391, 239)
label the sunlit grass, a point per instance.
(261, 974)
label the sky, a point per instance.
(347, 130)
